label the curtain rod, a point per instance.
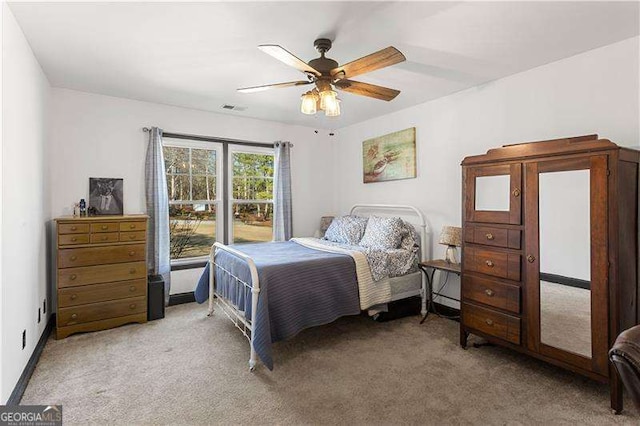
(211, 139)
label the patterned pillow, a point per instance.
(383, 232)
(411, 239)
(346, 230)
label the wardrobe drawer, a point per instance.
(492, 262)
(133, 236)
(105, 227)
(99, 311)
(491, 236)
(70, 239)
(133, 226)
(68, 258)
(73, 228)
(84, 275)
(492, 293)
(104, 237)
(73, 296)
(491, 322)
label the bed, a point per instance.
(307, 282)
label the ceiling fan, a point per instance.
(326, 74)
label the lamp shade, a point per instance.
(451, 236)
(308, 103)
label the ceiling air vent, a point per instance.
(234, 107)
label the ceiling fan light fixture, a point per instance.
(309, 103)
(332, 108)
(328, 99)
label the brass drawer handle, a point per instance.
(131, 253)
(73, 277)
(489, 236)
(132, 270)
(131, 237)
(74, 257)
(132, 306)
(73, 228)
(74, 296)
(531, 259)
(104, 227)
(489, 292)
(74, 239)
(489, 321)
(132, 288)
(489, 263)
(132, 226)
(74, 316)
(516, 192)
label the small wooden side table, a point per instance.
(429, 268)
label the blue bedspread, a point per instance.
(299, 288)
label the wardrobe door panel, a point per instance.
(493, 194)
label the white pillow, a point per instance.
(383, 233)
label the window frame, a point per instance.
(240, 149)
(218, 202)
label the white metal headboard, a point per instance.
(424, 230)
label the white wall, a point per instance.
(25, 201)
(594, 92)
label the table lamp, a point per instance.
(451, 236)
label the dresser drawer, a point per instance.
(99, 311)
(68, 258)
(133, 226)
(105, 227)
(133, 236)
(492, 236)
(73, 228)
(73, 296)
(84, 275)
(491, 322)
(492, 262)
(491, 292)
(105, 237)
(70, 239)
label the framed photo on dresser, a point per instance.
(106, 195)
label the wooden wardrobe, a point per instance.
(550, 251)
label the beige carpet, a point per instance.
(190, 369)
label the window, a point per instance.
(197, 205)
(194, 194)
(251, 192)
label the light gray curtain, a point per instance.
(282, 227)
(158, 259)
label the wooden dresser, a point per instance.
(101, 272)
(550, 251)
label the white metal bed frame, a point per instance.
(238, 317)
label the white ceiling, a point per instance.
(196, 54)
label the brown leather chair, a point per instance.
(625, 356)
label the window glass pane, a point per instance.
(176, 160)
(203, 162)
(178, 187)
(192, 229)
(204, 187)
(252, 222)
(252, 176)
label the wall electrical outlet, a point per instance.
(24, 339)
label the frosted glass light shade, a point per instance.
(308, 105)
(332, 108)
(327, 99)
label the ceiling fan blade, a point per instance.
(282, 54)
(380, 59)
(366, 89)
(272, 86)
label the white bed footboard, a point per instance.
(227, 306)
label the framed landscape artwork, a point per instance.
(105, 195)
(390, 157)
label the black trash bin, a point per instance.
(155, 298)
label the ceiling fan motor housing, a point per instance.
(322, 64)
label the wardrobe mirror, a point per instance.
(565, 261)
(493, 193)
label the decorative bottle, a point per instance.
(83, 207)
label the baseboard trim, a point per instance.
(23, 381)
(568, 281)
(180, 298)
